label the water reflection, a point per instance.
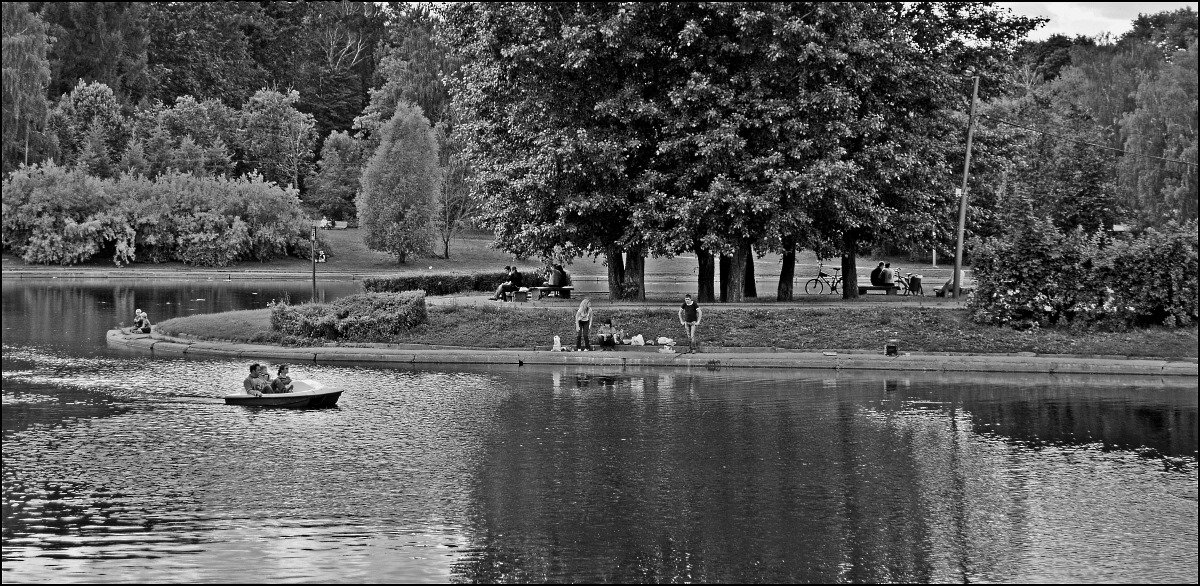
(131, 468)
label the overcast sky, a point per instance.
(1088, 18)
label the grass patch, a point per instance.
(919, 330)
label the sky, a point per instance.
(1088, 18)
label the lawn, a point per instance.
(791, 327)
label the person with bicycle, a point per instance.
(689, 317)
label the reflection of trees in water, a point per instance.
(664, 485)
(1163, 419)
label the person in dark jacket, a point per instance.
(877, 276)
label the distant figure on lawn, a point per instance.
(877, 276)
(689, 317)
(583, 324)
(512, 284)
(609, 335)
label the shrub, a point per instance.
(366, 317)
(1154, 276)
(53, 214)
(436, 284)
(1038, 276)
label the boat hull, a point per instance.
(308, 395)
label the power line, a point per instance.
(1014, 124)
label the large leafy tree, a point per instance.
(202, 49)
(89, 107)
(399, 185)
(104, 42)
(333, 188)
(26, 77)
(277, 139)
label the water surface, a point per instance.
(122, 467)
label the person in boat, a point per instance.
(282, 382)
(258, 382)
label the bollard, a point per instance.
(892, 348)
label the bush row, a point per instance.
(437, 284)
(1038, 276)
(366, 317)
(59, 215)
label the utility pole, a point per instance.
(314, 263)
(962, 202)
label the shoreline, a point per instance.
(415, 354)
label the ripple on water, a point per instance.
(542, 474)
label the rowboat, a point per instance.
(306, 394)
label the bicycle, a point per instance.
(818, 284)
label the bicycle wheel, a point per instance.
(814, 286)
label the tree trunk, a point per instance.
(616, 271)
(446, 248)
(849, 270)
(787, 273)
(635, 271)
(726, 263)
(704, 286)
(401, 257)
(737, 273)
(26, 142)
(749, 289)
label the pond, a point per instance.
(122, 467)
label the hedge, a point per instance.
(366, 317)
(438, 284)
(61, 215)
(1037, 276)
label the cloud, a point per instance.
(1088, 18)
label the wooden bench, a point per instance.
(520, 295)
(887, 289)
(563, 292)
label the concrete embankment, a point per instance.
(383, 354)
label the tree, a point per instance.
(26, 77)
(134, 161)
(202, 49)
(189, 157)
(399, 185)
(95, 157)
(1163, 124)
(456, 205)
(75, 114)
(102, 42)
(276, 137)
(335, 185)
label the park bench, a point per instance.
(544, 290)
(520, 295)
(887, 289)
(341, 225)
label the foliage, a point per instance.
(333, 188)
(364, 317)
(61, 215)
(276, 137)
(399, 185)
(436, 284)
(1038, 276)
(101, 42)
(89, 107)
(26, 77)
(1154, 276)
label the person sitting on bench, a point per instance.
(876, 281)
(887, 277)
(512, 284)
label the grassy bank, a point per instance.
(919, 330)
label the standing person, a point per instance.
(583, 323)
(875, 276)
(689, 317)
